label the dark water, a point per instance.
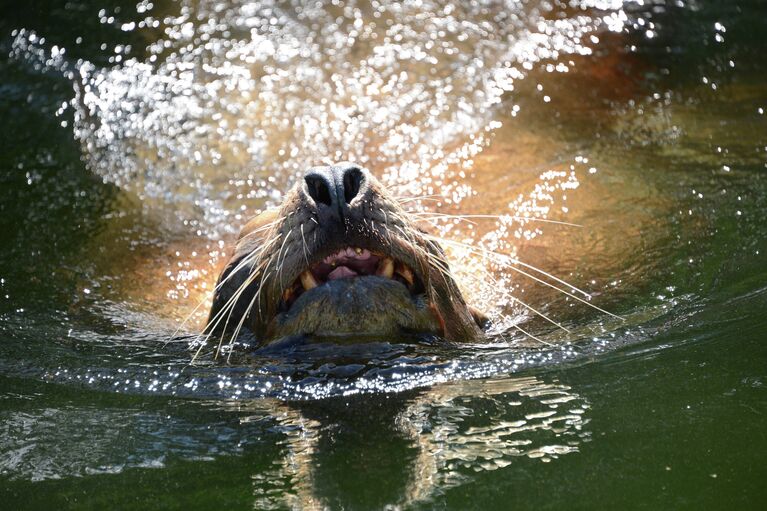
(623, 145)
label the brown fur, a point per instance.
(274, 248)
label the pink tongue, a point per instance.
(341, 272)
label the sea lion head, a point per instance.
(339, 257)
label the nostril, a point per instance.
(318, 189)
(352, 182)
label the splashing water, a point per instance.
(214, 119)
(231, 97)
(219, 114)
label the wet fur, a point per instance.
(275, 247)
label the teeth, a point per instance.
(386, 268)
(406, 273)
(287, 295)
(362, 254)
(308, 280)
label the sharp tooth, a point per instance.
(406, 273)
(308, 280)
(386, 268)
(358, 250)
(287, 294)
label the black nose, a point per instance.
(334, 187)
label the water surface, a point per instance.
(596, 168)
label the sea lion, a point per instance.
(339, 257)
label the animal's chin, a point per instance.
(355, 292)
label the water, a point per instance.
(620, 147)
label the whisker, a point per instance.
(513, 260)
(239, 293)
(405, 200)
(228, 307)
(262, 228)
(532, 336)
(279, 264)
(508, 259)
(304, 246)
(244, 262)
(494, 217)
(525, 305)
(245, 315)
(387, 230)
(201, 302)
(490, 275)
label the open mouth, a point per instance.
(350, 262)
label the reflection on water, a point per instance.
(472, 426)
(451, 432)
(443, 437)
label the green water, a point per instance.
(663, 409)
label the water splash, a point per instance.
(218, 114)
(222, 112)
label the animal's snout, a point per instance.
(334, 187)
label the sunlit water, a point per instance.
(606, 161)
